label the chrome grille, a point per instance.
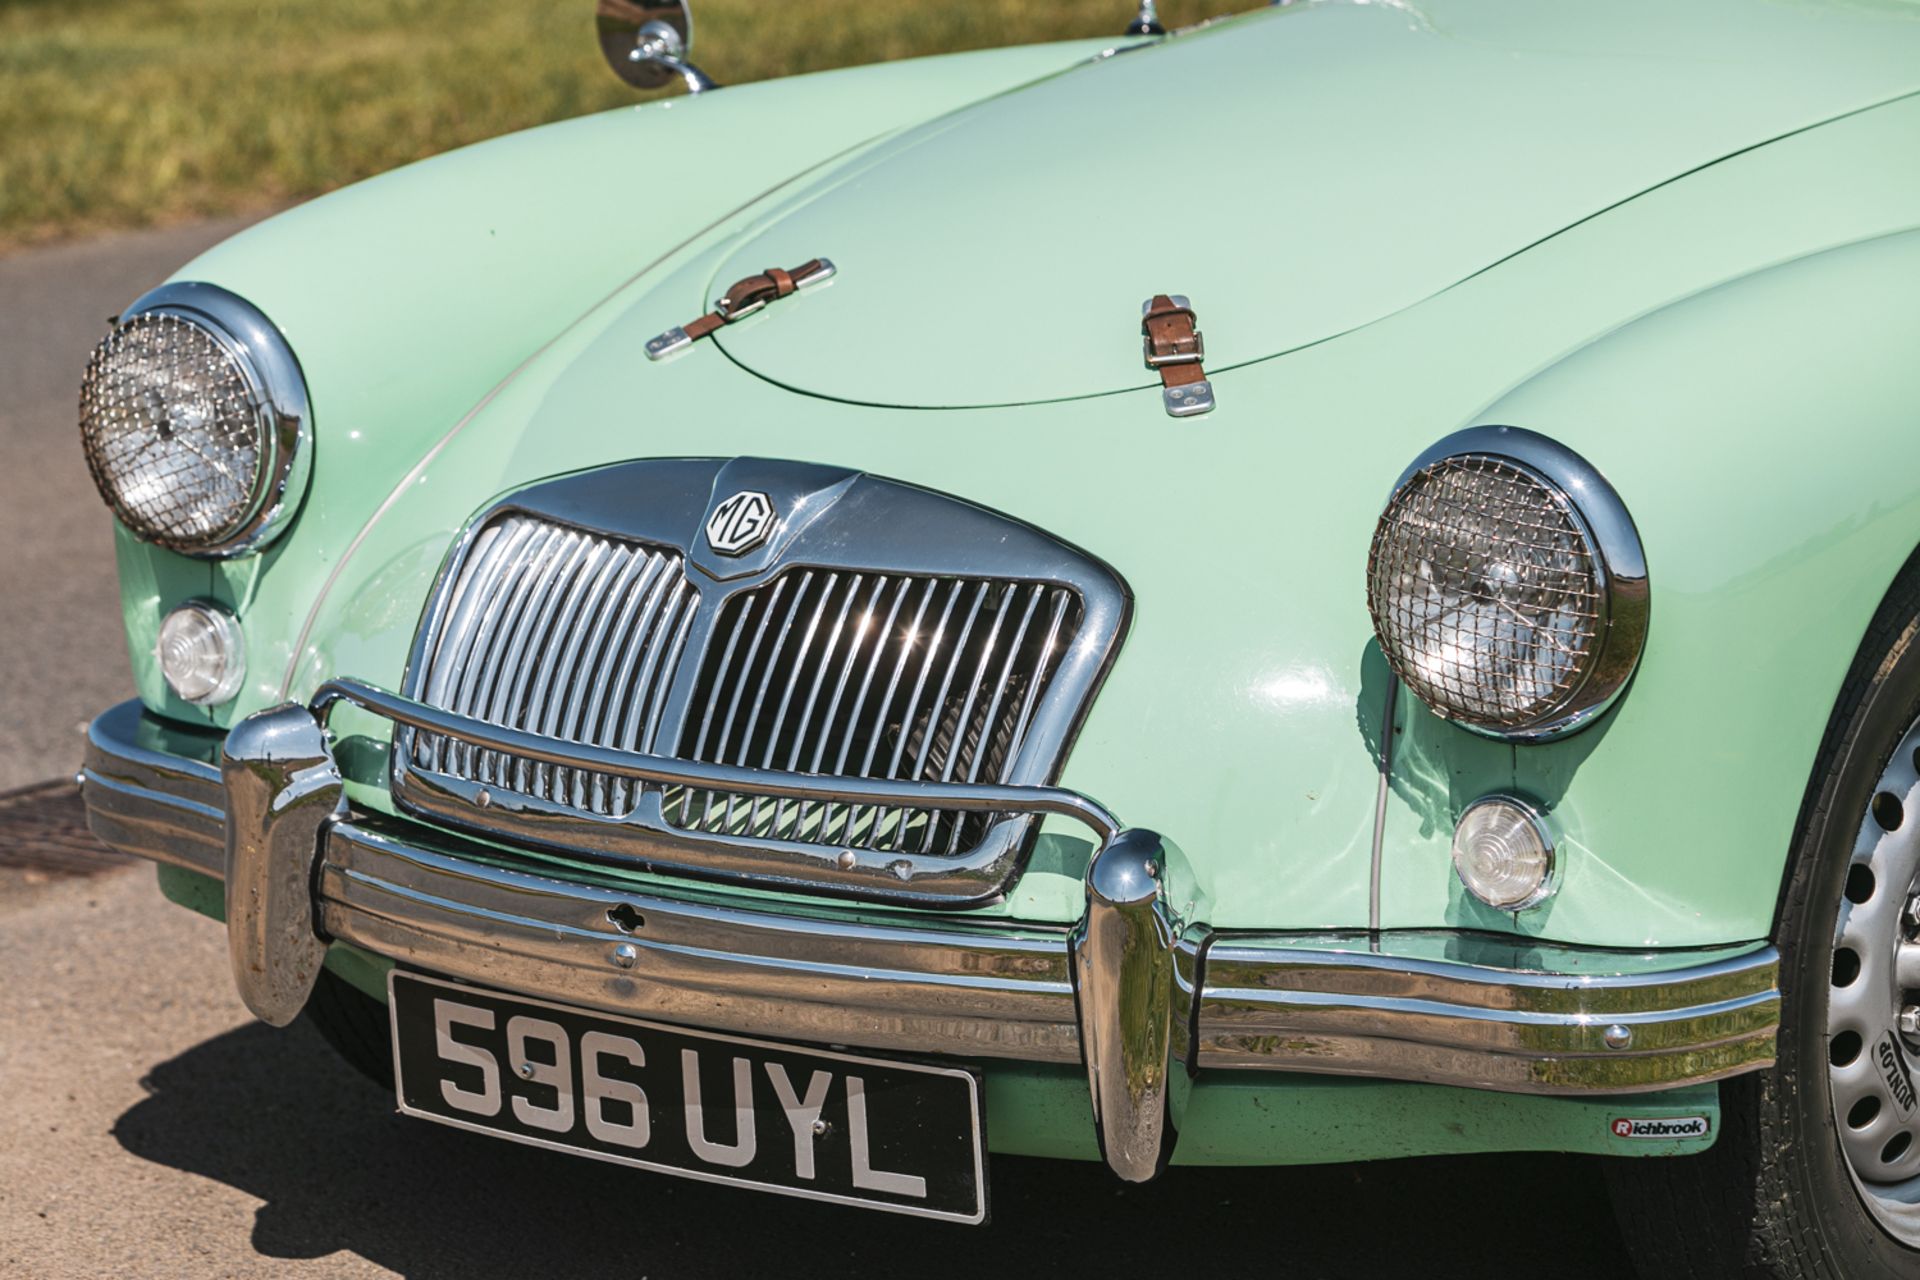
(560, 632)
(869, 675)
(825, 710)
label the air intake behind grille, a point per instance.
(563, 633)
(870, 675)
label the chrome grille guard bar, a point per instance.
(265, 811)
(642, 835)
(665, 771)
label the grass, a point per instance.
(116, 114)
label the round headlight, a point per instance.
(1507, 584)
(195, 422)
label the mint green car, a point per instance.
(1332, 585)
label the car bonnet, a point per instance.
(1297, 173)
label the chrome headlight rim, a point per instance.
(272, 372)
(1619, 572)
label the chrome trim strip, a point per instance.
(1003, 991)
(993, 993)
(1278, 1002)
(145, 800)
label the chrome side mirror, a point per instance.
(646, 43)
(1147, 21)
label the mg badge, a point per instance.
(741, 523)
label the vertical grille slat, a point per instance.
(741, 680)
(739, 683)
(536, 649)
(902, 734)
(456, 637)
(670, 610)
(632, 677)
(927, 661)
(585, 692)
(876, 735)
(545, 629)
(862, 627)
(875, 652)
(487, 650)
(490, 547)
(978, 743)
(657, 700)
(870, 675)
(820, 667)
(1051, 651)
(511, 674)
(956, 739)
(930, 727)
(827, 736)
(578, 636)
(988, 720)
(561, 645)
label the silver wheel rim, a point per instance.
(1876, 973)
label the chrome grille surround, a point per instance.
(800, 659)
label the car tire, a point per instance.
(355, 1024)
(1774, 1195)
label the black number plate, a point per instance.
(898, 1136)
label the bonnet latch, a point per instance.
(1174, 350)
(743, 299)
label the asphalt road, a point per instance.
(148, 1127)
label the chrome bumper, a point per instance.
(1144, 998)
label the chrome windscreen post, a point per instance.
(282, 791)
(1123, 975)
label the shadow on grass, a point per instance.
(275, 1115)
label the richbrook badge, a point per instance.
(741, 523)
(1668, 1127)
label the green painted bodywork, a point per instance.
(1682, 239)
(474, 323)
(1345, 161)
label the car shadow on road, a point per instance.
(276, 1115)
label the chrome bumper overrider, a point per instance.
(1146, 999)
